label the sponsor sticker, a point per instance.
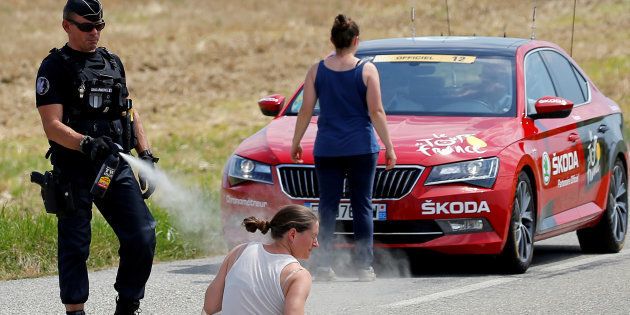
(564, 162)
(443, 144)
(559, 164)
(593, 158)
(546, 168)
(428, 207)
(566, 182)
(42, 86)
(558, 101)
(245, 202)
(424, 58)
(269, 99)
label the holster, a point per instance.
(57, 197)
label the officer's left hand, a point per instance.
(146, 181)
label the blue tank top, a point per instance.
(344, 126)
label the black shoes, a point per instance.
(127, 307)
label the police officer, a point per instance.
(87, 116)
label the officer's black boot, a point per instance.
(81, 312)
(126, 307)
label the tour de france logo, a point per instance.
(546, 168)
(593, 158)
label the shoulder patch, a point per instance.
(42, 85)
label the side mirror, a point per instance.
(552, 107)
(271, 105)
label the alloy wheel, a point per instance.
(524, 221)
(618, 203)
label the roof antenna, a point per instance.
(413, 22)
(572, 28)
(448, 18)
(534, 22)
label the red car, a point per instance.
(501, 142)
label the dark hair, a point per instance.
(343, 31)
(291, 216)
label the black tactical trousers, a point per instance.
(127, 214)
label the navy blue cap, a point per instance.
(91, 10)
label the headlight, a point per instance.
(482, 172)
(241, 169)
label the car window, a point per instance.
(564, 74)
(294, 108)
(583, 83)
(537, 81)
(471, 86)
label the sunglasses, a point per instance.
(88, 27)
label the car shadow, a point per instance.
(421, 263)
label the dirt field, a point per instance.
(192, 64)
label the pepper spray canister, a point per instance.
(105, 176)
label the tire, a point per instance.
(609, 235)
(519, 247)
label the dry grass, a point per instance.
(187, 59)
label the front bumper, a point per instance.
(412, 221)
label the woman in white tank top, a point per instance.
(258, 278)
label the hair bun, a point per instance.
(341, 21)
(252, 224)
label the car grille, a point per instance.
(301, 182)
(393, 231)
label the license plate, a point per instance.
(379, 211)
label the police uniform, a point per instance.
(91, 88)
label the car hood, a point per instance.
(417, 140)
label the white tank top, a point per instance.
(252, 286)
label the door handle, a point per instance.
(574, 137)
(602, 128)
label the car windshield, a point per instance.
(442, 85)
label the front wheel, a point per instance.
(519, 247)
(609, 235)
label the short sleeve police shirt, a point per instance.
(53, 83)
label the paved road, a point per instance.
(560, 281)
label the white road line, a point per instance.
(498, 281)
(575, 263)
(451, 292)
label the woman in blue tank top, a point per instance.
(350, 110)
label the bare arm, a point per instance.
(305, 114)
(57, 131)
(299, 287)
(143, 141)
(376, 111)
(214, 294)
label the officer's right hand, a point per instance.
(98, 148)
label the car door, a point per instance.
(589, 118)
(557, 143)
